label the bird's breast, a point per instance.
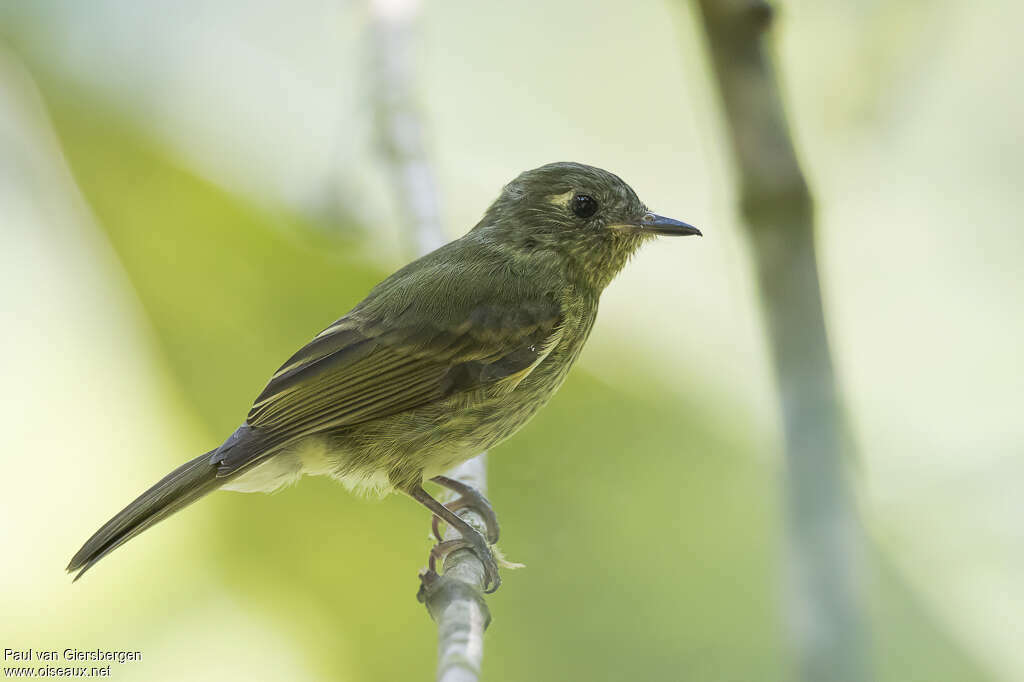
(533, 392)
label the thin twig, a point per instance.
(455, 600)
(825, 538)
(400, 128)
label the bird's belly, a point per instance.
(484, 426)
(404, 449)
(372, 458)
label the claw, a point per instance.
(477, 545)
(469, 498)
(471, 538)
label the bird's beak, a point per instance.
(667, 226)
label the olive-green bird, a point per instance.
(445, 358)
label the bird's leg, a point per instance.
(471, 539)
(468, 498)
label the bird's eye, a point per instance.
(584, 206)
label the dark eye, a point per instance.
(584, 206)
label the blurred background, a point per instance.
(191, 190)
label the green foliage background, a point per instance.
(647, 520)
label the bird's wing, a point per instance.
(380, 360)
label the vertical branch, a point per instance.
(455, 599)
(400, 129)
(824, 535)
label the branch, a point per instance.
(455, 599)
(825, 537)
(399, 124)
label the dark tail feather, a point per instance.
(176, 490)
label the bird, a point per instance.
(448, 357)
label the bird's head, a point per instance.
(576, 217)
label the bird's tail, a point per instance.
(176, 490)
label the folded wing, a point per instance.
(373, 364)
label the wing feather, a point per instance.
(362, 369)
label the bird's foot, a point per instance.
(468, 498)
(476, 543)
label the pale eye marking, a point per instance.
(561, 199)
